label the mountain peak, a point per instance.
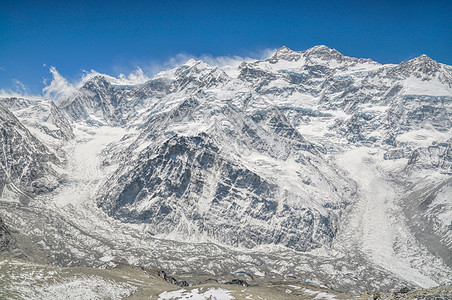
(283, 49)
(199, 64)
(191, 62)
(285, 53)
(96, 82)
(323, 51)
(320, 48)
(420, 65)
(422, 59)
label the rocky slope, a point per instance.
(8, 245)
(26, 163)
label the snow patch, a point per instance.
(196, 294)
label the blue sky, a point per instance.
(118, 36)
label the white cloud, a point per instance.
(20, 87)
(229, 63)
(152, 68)
(235, 60)
(2, 69)
(21, 91)
(59, 87)
(135, 77)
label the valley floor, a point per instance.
(25, 280)
(20, 279)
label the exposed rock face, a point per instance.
(436, 156)
(188, 186)
(97, 102)
(26, 163)
(8, 245)
(171, 279)
(62, 122)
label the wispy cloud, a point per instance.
(151, 68)
(20, 87)
(59, 87)
(135, 77)
(227, 61)
(20, 90)
(232, 60)
(235, 60)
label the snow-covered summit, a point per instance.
(285, 53)
(425, 69)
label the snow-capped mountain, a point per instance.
(309, 163)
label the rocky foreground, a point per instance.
(20, 279)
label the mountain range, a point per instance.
(309, 166)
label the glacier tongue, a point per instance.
(377, 225)
(310, 165)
